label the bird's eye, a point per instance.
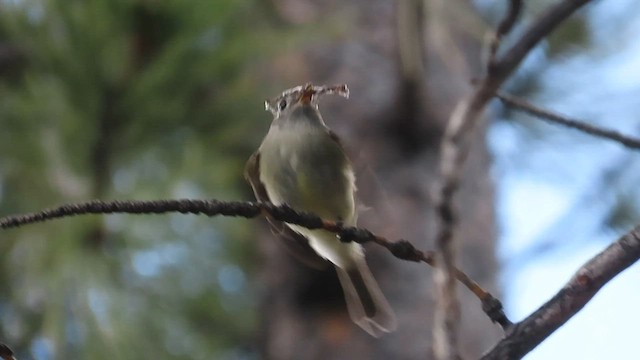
(282, 104)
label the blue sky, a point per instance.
(555, 188)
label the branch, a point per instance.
(454, 151)
(522, 105)
(505, 26)
(588, 280)
(539, 29)
(6, 353)
(401, 249)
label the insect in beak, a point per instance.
(307, 94)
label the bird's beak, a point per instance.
(307, 94)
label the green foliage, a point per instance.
(573, 33)
(129, 99)
(624, 213)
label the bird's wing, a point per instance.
(336, 139)
(297, 244)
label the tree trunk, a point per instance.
(391, 127)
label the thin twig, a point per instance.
(555, 118)
(454, 151)
(588, 280)
(505, 26)
(401, 249)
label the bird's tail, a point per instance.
(366, 304)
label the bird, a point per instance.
(301, 163)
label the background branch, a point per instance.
(588, 280)
(539, 29)
(554, 118)
(401, 249)
(454, 151)
(505, 26)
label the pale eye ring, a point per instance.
(282, 104)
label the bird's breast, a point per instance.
(309, 171)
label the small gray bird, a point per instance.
(302, 164)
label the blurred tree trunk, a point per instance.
(407, 63)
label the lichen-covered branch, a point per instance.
(401, 249)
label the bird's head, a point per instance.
(303, 95)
